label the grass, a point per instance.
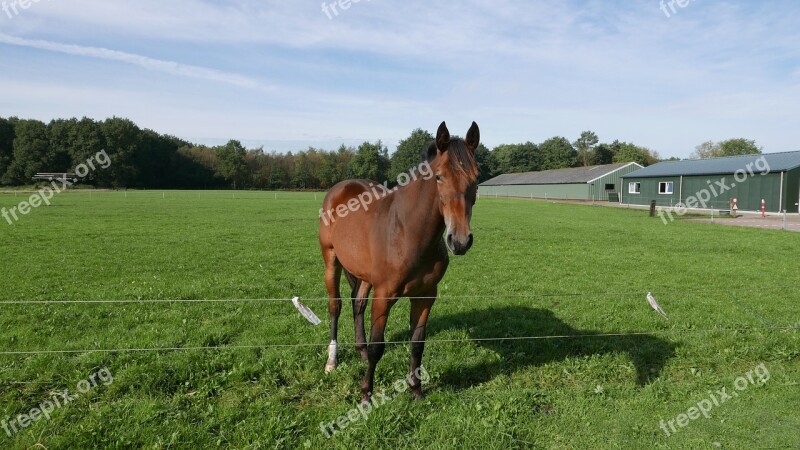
(540, 269)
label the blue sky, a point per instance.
(284, 75)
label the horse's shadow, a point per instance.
(648, 353)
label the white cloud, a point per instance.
(145, 62)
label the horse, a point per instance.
(397, 244)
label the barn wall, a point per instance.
(748, 193)
(649, 191)
(791, 190)
(597, 189)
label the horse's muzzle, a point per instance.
(458, 246)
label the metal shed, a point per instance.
(596, 183)
(712, 183)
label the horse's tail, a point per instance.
(355, 283)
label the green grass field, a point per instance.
(614, 371)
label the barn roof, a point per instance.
(575, 175)
(777, 162)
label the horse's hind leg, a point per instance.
(333, 272)
(360, 296)
(420, 308)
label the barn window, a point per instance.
(634, 188)
(610, 187)
(665, 187)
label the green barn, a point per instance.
(595, 183)
(713, 183)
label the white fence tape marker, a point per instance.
(652, 301)
(305, 311)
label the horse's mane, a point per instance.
(462, 161)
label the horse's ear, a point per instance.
(442, 138)
(473, 137)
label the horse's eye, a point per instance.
(438, 177)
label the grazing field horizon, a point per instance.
(167, 315)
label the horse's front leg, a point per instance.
(382, 302)
(420, 309)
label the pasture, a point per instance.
(598, 368)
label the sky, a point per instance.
(291, 74)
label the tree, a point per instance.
(31, 152)
(502, 159)
(86, 138)
(128, 156)
(370, 162)
(602, 154)
(231, 165)
(6, 144)
(708, 149)
(730, 147)
(195, 166)
(483, 157)
(626, 152)
(302, 178)
(343, 158)
(516, 158)
(335, 166)
(739, 146)
(527, 157)
(557, 153)
(58, 132)
(279, 175)
(327, 173)
(585, 144)
(409, 152)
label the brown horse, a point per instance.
(391, 240)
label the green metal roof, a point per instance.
(777, 162)
(571, 175)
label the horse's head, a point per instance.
(453, 163)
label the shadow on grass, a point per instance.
(648, 353)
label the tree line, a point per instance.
(142, 158)
(730, 147)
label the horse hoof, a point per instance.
(329, 367)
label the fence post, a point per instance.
(653, 208)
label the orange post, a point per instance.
(763, 208)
